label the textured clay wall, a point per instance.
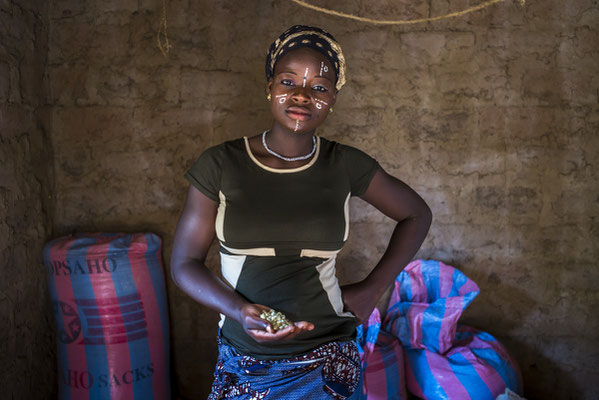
(27, 344)
(492, 117)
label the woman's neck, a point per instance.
(288, 143)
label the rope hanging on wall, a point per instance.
(401, 22)
(163, 45)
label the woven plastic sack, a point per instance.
(426, 303)
(443, 360)
(383, 375)
(109, 301)
(478, 367)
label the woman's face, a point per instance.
(302, 90)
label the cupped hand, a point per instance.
(262, 331)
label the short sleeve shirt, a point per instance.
(279, 232)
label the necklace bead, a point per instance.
(274, 153)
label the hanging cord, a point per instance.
(164, 45)
(401, 22)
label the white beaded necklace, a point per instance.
(289, 158)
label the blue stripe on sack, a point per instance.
(424, 376)
(156, 273)
(360, 338)
(432, 317)
(469, 378)
(372, 333)
(124, 285)
(502, 366)
(96, 355)
(487, 337)
(392, 372)
(459, 280)
(430, 273)
(405, 286)
(61, 348)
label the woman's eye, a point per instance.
(287, 82)
(320, 88)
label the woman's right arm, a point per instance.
(194, 234)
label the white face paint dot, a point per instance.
(319, 106)
(282, 100)
(326, 69)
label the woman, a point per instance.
(278, 204)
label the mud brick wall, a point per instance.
(492, 117)
(27, 343)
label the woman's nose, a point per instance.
(300, 95)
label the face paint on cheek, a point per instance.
(282, 98)
(319, 103)
(305, 76)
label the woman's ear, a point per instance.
(334, 99)
(269, 86)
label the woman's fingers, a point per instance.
(283, 334)
(304, 325)
(266, 336)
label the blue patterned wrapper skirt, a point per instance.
(331, 371)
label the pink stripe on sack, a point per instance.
(445, 376)
(415, 320)
(468, 287)
(411, 381)
(141, 276)
(75, 351)
(445, 280)
(375, 382)
(395, 296)
(117, 347)
(398, 352)
(453, 311)
(417, 285)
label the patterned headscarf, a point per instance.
(307, 36)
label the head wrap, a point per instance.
(307, 36)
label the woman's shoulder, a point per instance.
(225, 149)
(345, 151)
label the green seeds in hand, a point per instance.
(277, 319)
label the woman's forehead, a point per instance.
(305, 57)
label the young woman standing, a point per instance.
(278, 204)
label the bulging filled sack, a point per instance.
(477, 367)
(443, 360)
(110, 309)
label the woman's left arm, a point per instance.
(398, 201)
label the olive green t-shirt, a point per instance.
(280, 231)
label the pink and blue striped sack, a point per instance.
(109, 301)
(443, 360)
(383, 375)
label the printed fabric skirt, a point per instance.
(331, 371)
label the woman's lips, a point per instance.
(298, 113)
